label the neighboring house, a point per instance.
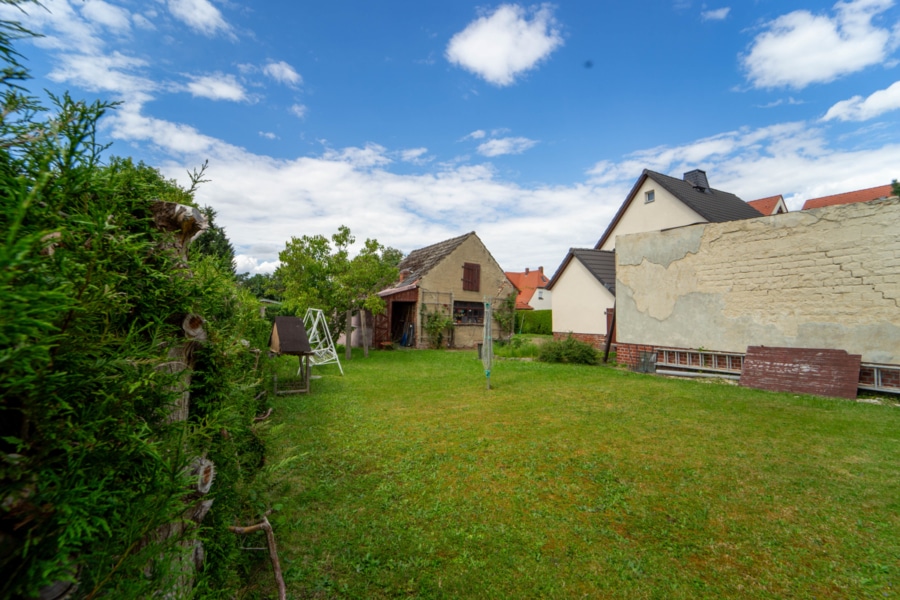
(584, 294)
(773, 205)
(532, 285)
(881, 191)
(455, 278)
(656, 202)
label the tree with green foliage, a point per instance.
(94, 470)
(895, 187)
(318, 273)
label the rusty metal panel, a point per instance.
(819, 371)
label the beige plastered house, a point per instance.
(456, 278)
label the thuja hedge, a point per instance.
(538, 322)
(92, 469)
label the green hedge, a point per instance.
(538, 322)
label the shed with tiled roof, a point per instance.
(453, 278)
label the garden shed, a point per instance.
(454, 279)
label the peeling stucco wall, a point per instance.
(826, 278)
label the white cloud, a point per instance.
(510, 145)
(476, 135)
(298, 110)
(113, 17)
(217, 86)
(252, 265)
(501, 46)
(263, 199)
(372, 155)
(283, 73)
(718, 14)
(414, 155)
(801, 48)
(858, 108)
(199, 15)
(107, 73)
(268, 135)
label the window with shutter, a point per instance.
(471, 277)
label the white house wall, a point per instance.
(541, 300)
(580, 301)
(665, 212)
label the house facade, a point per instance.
(584, 284)
(584, 289)
(453, 278)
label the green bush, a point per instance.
(538, 322)
(516, 347)
(93, 471)
(569, 350)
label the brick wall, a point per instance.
(826, 278)
(596, 340)
(630, 354)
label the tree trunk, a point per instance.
(348, 337)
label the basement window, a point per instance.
(649, 196)
(468, 313)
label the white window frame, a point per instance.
(649, 196)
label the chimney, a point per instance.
(541, 269)
(526, 270)
(697, 178)
(404, 274)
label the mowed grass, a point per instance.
(407, 478)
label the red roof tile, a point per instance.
(766, 206)
(882, 191)
(527, 283)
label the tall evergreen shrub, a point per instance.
(93, 471)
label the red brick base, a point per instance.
(630, 354)
(596, 340)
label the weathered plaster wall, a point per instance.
(827, 278)
(580, 302)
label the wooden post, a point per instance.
(365, 333)
(609, 335)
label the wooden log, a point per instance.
(273, 551)
(185, 222)
(203, 472)
(193, 327)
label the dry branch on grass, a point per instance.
(273, 551)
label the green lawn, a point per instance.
(407, 478)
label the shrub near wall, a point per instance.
(538, 322)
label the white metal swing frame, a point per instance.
(323, 352)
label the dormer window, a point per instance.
(649, 196)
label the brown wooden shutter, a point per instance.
(471, 277)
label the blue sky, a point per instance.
(412, 121)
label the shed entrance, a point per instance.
(403, 323)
